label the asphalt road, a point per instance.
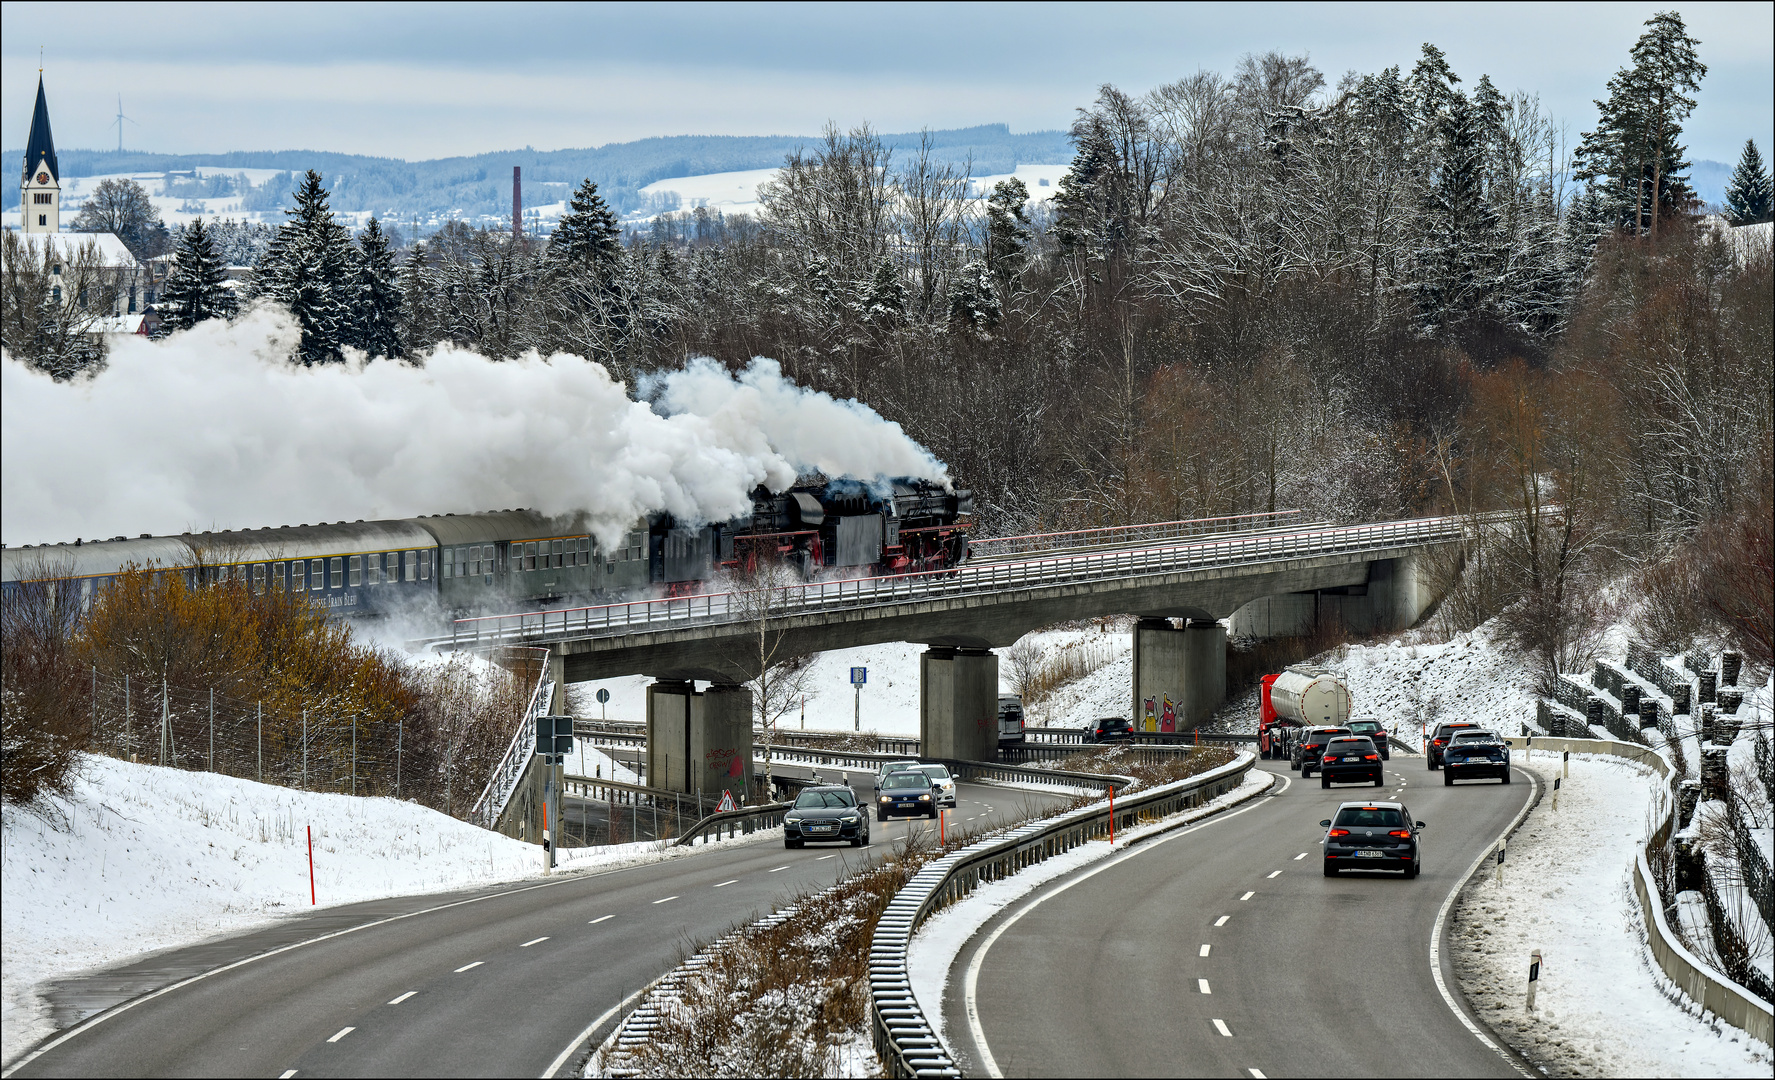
(1222, 950)
(498, 982)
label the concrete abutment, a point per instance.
(958, 703)
(1179, 673)
(699, 743)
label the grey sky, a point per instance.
(430, 80)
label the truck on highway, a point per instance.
(1298, 697)
(1010, 720)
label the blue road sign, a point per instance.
(859, 676)
(603, 695)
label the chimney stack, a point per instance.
(517, 203)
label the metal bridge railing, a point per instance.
(611, 620)
(1130, 535)
(518, 753)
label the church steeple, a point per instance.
(41, 196)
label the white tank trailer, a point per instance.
(1311, 698)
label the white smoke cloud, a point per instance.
(212, 428)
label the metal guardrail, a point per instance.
(494, 798)
(744, 821)
(904, 1039)
(961, 770)
(1111, 535)
(715, 609)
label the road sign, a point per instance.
(603, 695)
(727, 805)
(554, 738)
(859, 676)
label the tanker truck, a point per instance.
(1299, 697)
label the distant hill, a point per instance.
(481, 185)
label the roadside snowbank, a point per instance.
(146, 858)
(1602, 1007)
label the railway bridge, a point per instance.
(1265, 572)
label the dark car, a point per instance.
(1350, 760)
(825, 813)
(1109, 729)
(1309, 743)
(1372, 836)
(904, 794)
(1439, 739)
(1473, 755)
(1373, 729)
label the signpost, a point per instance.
(603, 700)
(859, 675)
(554, 741)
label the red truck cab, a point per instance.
(1270, 729)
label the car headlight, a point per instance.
(853, 818)
(924, 798)
(887, 798)
(791, 817)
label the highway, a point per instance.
(1222, 950)
(495, 982)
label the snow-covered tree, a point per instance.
(378, 296)
(589, 238)
(972, 302)
(197, 289)
(1007, 230)
(309, 269)
(1748, 196)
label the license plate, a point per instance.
(1352, 759)
(1370, 855)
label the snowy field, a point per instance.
(737, 192)
(1602, 1008)
(147, 858)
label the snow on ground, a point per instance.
(1603, 1008)
(147, 858)
(728, 192)
(942, 937)
(1043, 181)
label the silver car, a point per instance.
(892, 767)
(942, 784)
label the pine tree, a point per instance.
(197, 288)
(1432, 86)
(885, 302)
(1007, 230)
(1748, 196)
(589, 237)
(418, 285)
(1457, 273)
(972, 302)
(308, 269)
(379, 296)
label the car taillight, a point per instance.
(1338, 832)
(1371, 757)
(1403, 834)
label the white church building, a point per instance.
(92, 272)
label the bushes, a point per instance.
(46, 698)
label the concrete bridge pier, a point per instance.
(699, 743)
(1179, 673)
(958, 703)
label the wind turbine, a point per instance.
(118, 123)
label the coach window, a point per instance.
(357, 570)
(298, 576)
(317, 575)
(448, 569)
(530, 555)
(337, 566)
(425, 564)
(259, 577)
(555, 547)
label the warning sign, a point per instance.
(726, 803)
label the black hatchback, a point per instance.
(1350, 759)
(1309, 743)
(825, 813)
(1109, 729)
(1372, 836)
(1473, 754)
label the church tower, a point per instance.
(41, 195)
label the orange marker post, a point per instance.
(311, 897)
(1112, 817)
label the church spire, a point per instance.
(40, 148)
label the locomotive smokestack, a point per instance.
(517, 203)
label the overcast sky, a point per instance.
(431, 80)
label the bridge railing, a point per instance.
(967, 580)
(1112, 535)
(518, 753)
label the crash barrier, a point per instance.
(730, 823)
(649, 810)
(961, 770)
(904, 1039)
(1711, 990)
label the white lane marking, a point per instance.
(1275, 873)
(1222, 920)
(718, 885)
(971, 982)
(341, 1033)
(533, 941)
(1442, 919)
(579, 1040)
(1257, 1074)
(1202, 985)
(466, 967)
(403, 997)
(1220, 1026)
(1248, 896)
(286, 1074)
(823, 858)
(1204, 951)
(778, 868)
(1297, 858)
(665, 899)
(600, 919)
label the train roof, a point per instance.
(452, 529)
(103, 557)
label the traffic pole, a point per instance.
(1534, 976)
(1501, 862)
(1112, 817)
(311, 897)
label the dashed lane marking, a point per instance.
(1297, 858)
(719, 884)
(1204, 951)
(665, 899)
(1202, 985)
(1257, 1074)
(823, 858)
(286, 1074)
(1248, 896)
(1220, 1026)
(774, 870)
(533, 941)
(403, 997)
(1275, 873)
(466, 967)
(600, 919)
(1222, 920)
(341, 1033)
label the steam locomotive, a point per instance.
(515, 560)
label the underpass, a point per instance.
(1222, 950)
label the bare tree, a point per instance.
(778, 677)
(56, 297)
(122, 208)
